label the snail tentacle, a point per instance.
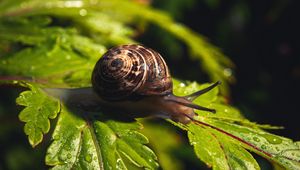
(193, 96)
(188, 103)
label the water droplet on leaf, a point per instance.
(227, 72)
(62, 157)
(182, 85)
(69, 156)
(193, 143)
(83, 12)
(272, 139)
(256, 139)
(88, 158)
(263, 147)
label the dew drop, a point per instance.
(193, 143)
(227, 72)
(256, 139)
(62, 157)
(83, 12)
(182, 85)
(272, 139)
(276, 141)
(69, 156)
(88, 158)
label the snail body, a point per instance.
(136, 80)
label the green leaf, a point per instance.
(39, 108)
(78, 54)
(164, 148)
(279, 149)
(217, 151)
(107, 24)
(220, 139)
(80, 140)
(83, 143)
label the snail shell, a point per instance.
(134, 79)
(131, 72)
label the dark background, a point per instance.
(260, 37)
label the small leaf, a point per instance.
(39, 108)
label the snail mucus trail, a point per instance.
(135, 80)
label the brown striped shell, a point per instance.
(130, 72)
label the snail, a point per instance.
(136, 80)
(133, 80)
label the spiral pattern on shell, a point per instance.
(130, 72)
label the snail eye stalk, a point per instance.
(193, 96)
(197, 107)
(187, 100)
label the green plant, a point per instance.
(56, 44)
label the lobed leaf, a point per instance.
(43, 62)
(220, 141)
(219, 152)
(279, 149)
(39, 108)
(165, 141)
(85, 13)
(83, 143)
